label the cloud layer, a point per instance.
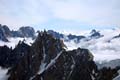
(102, 49)
(32, 12)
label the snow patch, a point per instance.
(52, 62)
(3, 74)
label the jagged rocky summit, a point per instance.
(10, 57)
(95, 34)
(47, 59)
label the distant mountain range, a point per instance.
(27, 32)
(5, 32)
(98, 42)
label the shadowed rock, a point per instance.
(48, 60)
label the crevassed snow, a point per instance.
(3, 74)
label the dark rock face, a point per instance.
(56, 34)
(106, 73)
(4, 56)
(85, 68)
(42, 51)
(27, 31)
(10, 57)
(48, 60)
(71, 65)
(24, 32)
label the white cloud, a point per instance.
(100, 12)
(101, 48)
(16, 13)
(91, 12)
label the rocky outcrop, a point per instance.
(71, 65)
(10, 57)
(48, 60)
(5, 56)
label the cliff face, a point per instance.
(10, 57)
(47, 59)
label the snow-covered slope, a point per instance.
(3, 74)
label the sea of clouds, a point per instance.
(104, 49)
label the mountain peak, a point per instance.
(95, 34)
(93, 31)
(47, 55)
(25, 31)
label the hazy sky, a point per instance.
(60, 14)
